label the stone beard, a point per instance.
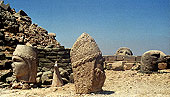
(25, 64)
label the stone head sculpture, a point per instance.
(150, 60)
(124, 51)
(25, 63)
(87, 65)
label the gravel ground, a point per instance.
(118, 84)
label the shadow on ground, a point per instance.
(105, 92)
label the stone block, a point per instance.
(62, 52)
(44, 60)
(66, 56)
(52, 34)
(62, 48)
(116, 65)
(5, 7)
(41, 55)
(4, 74)
(10, 79)
(119, 58)
(66, 67)
(40, 48)
(128, 65)
(52, 53)
(2, 56)
(39, 74)
(62, 64)
(46, 78)
(21, 12)
(59, 60)
(162, 66)
(47, 49)
(42, 52)
(51, 57)
(66, 60)
(44, 69)
(55, 49)
(1, 42)
(1, 35)
(53, 60)
(47, 65)
(136, 66)
(138, 58)
(129, 58)
(108, 66)
(110, 58)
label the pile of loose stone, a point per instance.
(47, 57)
(17, 28)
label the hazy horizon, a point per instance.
(140, 25)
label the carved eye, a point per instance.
(16, 60)
(120, 51)
(127, 53)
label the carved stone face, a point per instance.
(20, 66)
(150, 60)
(124, 51)
(24, 63)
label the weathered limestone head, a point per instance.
(25, 63)
(87, 65)
(124, 51)
(150, 60)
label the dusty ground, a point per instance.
(117, 84)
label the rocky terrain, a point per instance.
(118, 84)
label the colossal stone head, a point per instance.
(25, 63)
(150, 60)
(124, 51)
(87, 65)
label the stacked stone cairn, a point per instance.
(17, 28)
